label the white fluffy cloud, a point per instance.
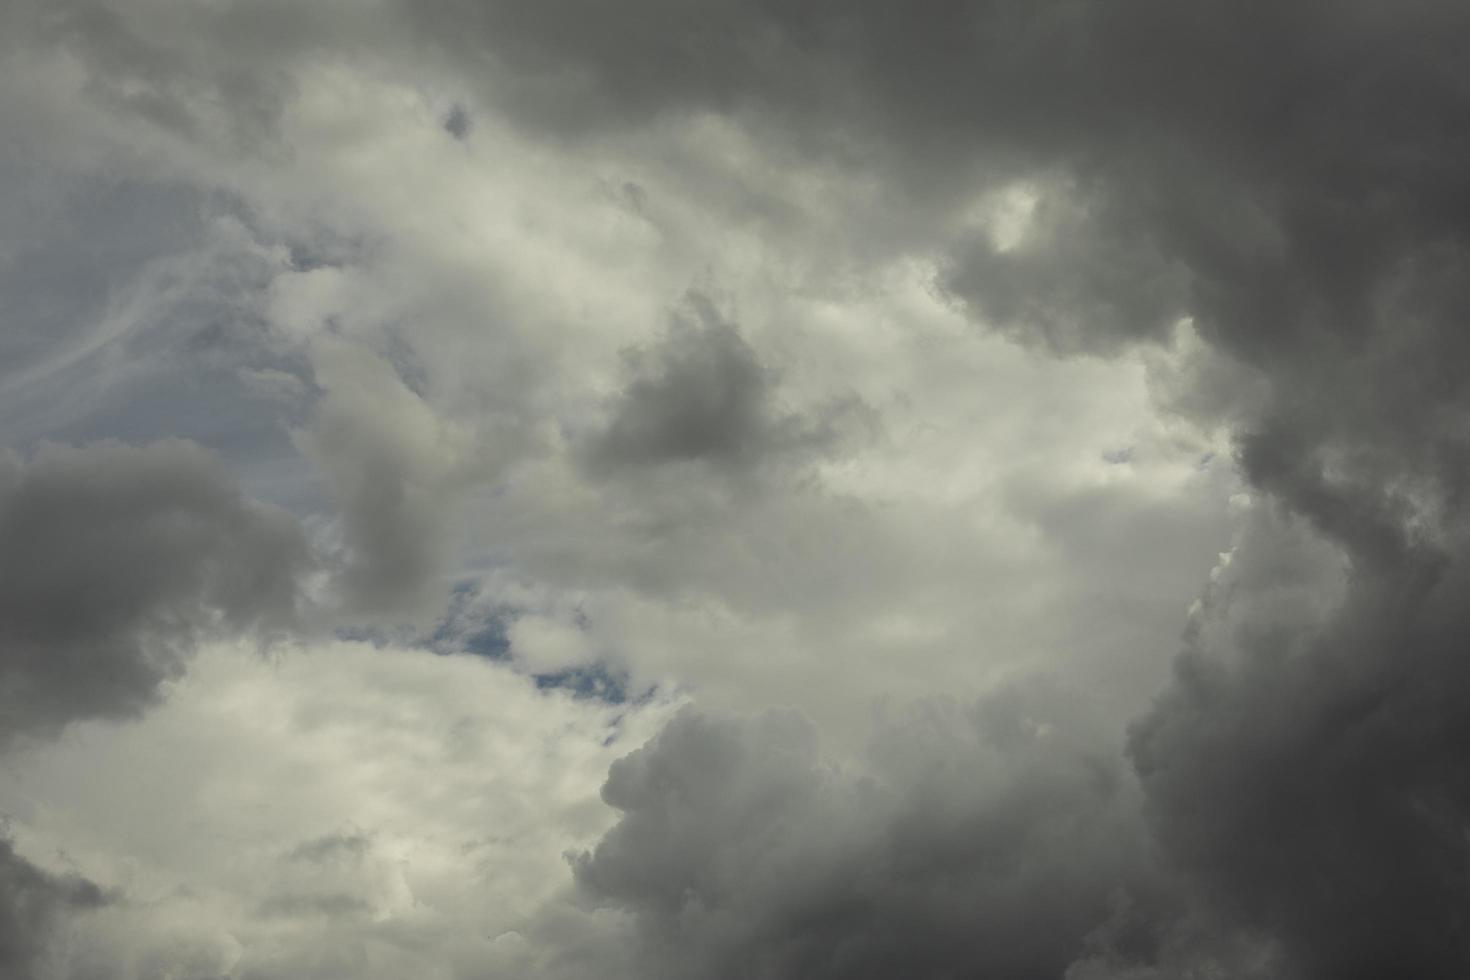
(332, 810)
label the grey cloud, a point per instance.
(349, 848)
(1087, 275)
(114, 561)
(1290, 175)
(331, 906)
(1362, 513)
(989, 841)
(1307, 768)
(457, 122)
(1265, 166)
(395, 471)
(1293, 177)
(702, 395)
(33, 905)
(212, 78)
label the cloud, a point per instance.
(33, 906)
(1287, 179)
(345, 847)
(1215, 159)
(395, 472)
(114, 562)
(1303, 765)
(178, 80)
(702, 395)
(1085, 275)
(377, 812)
(987, 840)
(1291, 178)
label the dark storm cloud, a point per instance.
(1315, 779)
(1086, 275)
(114, 561)
(1294, 177)
(1264, 166)
(988, 841)
(702, 395)
(33, 904)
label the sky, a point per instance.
(734, 490)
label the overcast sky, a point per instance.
(734, 490)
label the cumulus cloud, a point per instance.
(1303, 765)
(116, 561)
(1257, 212)
(33, 905)
(982, 840)
(417, 808)
(1084, 275)
(395, 471)
(1291, 177)
(704, 396)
